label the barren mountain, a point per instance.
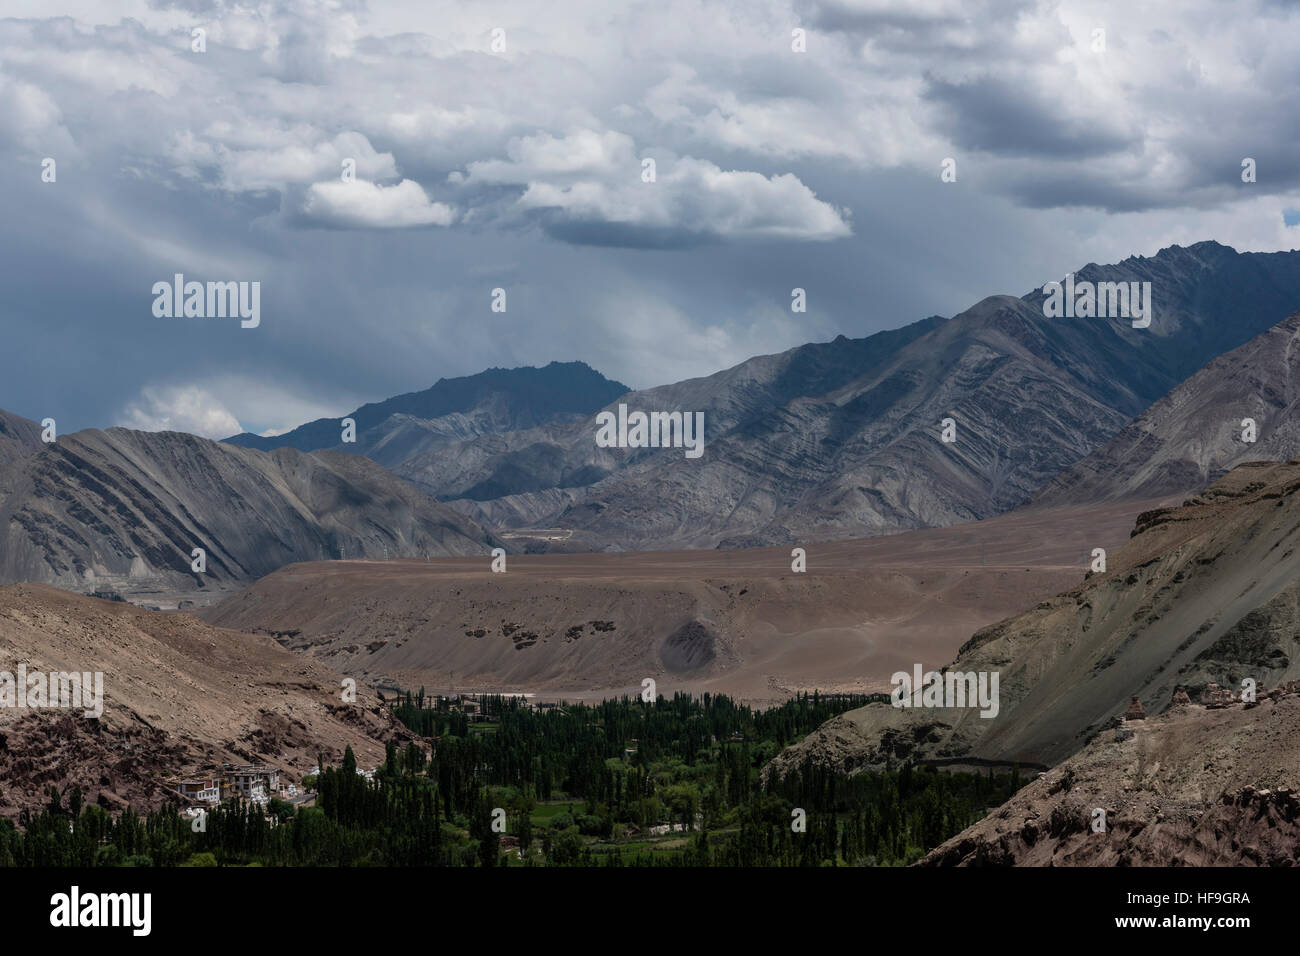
(737, 622)
(18, 437)
(1194, 435)
(1192, 787)
(455, 409)
(1204, 593)
(126, 509)
(843, 438)
(178, 696)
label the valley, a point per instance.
(735, 622)
(481, 580)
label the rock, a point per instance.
(1215, 696)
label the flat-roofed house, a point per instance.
(254, 783)
(201, 789)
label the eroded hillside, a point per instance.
(1206, 592)
(178, 695)
(1195, 786)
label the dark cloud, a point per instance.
(776, 170)
(1007, 119)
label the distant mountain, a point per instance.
(1194, 434)
(455, 409)
(843, 438)
(126, 508)
(1205, 593)
(18, 437)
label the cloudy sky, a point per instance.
(503, 145)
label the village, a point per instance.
(259, 784)
(256, 784)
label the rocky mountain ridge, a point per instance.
(126, 509)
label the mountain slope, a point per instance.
(123, 507)
(1208, 592)
(1192, 787)
(18, 437)
(557, 466)
(1193, 435)
(178, 696)
(843, 438)
(455, 409)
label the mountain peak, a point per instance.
(496, 399)
(1200, 250)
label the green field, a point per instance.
(544, 812)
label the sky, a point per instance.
(380, 169)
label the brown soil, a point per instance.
(179, 695)
(736, 622)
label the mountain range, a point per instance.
(455, 409)
(1241, 407)
(1065, 433)
(126, 509)
(825, 441)
(843, 439)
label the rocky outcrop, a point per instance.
(1215, 696)
(1194, 787)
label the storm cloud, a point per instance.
(381, 169)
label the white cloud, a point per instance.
(582, 153)
(179, 408)
(365, 205)
(694, 197)
(881, 85)
(251, 157)
(657, 342)
(272, 407)
(594, 178)
(31, 118)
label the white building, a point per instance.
(202, 789)
(254, 783)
